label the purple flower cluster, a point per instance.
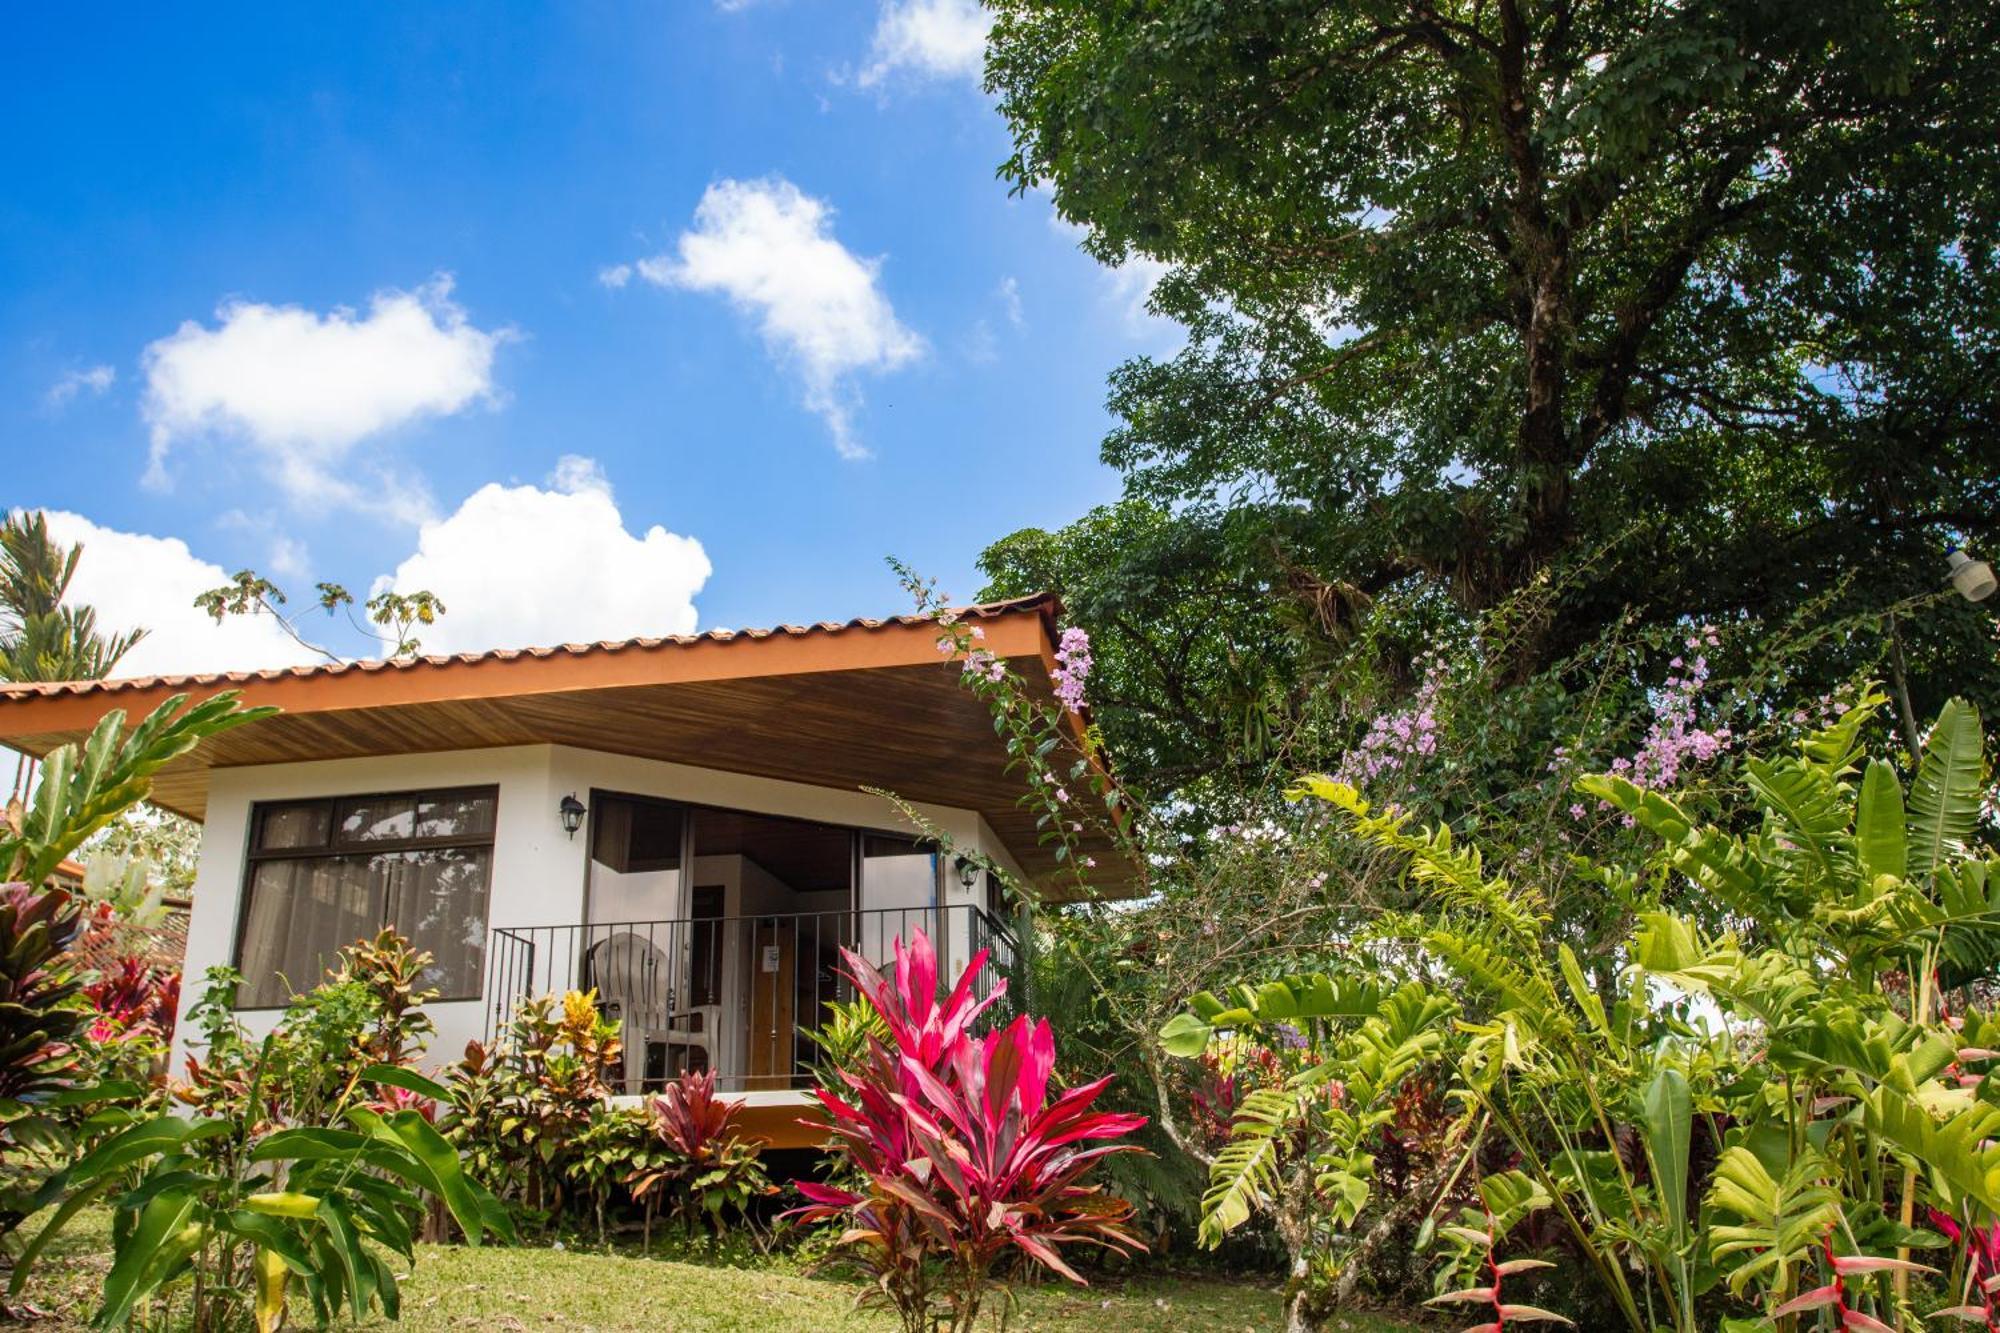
(1676, 739)
(1395, 741)
(979, 662)
(1072, 667)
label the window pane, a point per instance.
(304, 825)
(299, 914)
(438, 902)
(455, 815)
(376, 818)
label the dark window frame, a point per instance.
(333, 847)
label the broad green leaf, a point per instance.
(1185, 1036)
(153, 1239)
(1669, 1120)
(1944, 800)
(1880, 834)
(409, 1080)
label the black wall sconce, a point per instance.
(572, 811)
(968, 872)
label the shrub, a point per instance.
(302, 1162)
(709, 1166)
(246, 1212)
(964, 1158)
(521, 1105)
(1729, 1126)
(367, 1013)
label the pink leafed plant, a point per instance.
(964, 1158)
(136, 997)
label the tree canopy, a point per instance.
(1683, 311)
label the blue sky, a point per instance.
(293, 291)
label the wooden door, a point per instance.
(773, 977)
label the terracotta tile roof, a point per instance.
(1044, 604)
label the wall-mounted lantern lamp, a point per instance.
(1973, 578)
(968, 872)
(572, 812)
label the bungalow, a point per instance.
(684, 824)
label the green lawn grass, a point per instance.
(528, 1288)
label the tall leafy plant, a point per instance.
(245, 1214)
(1735, 1125)
(81, 789)
(965, 1156)
(521, 1106)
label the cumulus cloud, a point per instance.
(614, 276)
(769, 247)
(928, 39)
(528, 566)
(95, 379)
(137, 581)
(303, 389)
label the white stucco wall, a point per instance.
(538, 871)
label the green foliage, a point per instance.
(83, 788)
(1834, 1096)
(366, 1015)
(1481, 298)
(393, 618)
(522, 1107)
(305, 1160)
(247, 1213)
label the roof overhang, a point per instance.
(868, 703)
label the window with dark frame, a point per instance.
(325, 873)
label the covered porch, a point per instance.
(733, 995)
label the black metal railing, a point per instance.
(729, 994)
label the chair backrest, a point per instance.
(629, 972)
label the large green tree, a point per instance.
(1676, 309)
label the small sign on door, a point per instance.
(770, 963)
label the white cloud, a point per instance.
(614, 276)
(770, 249)
(928, 39)
(1010, 301)
(97, 379)
(135, 580)
(303, 389)
(523, 566)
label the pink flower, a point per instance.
(1073, 663)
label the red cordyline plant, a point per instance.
(136, 997)
(966, 1159)
(709, 1164)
